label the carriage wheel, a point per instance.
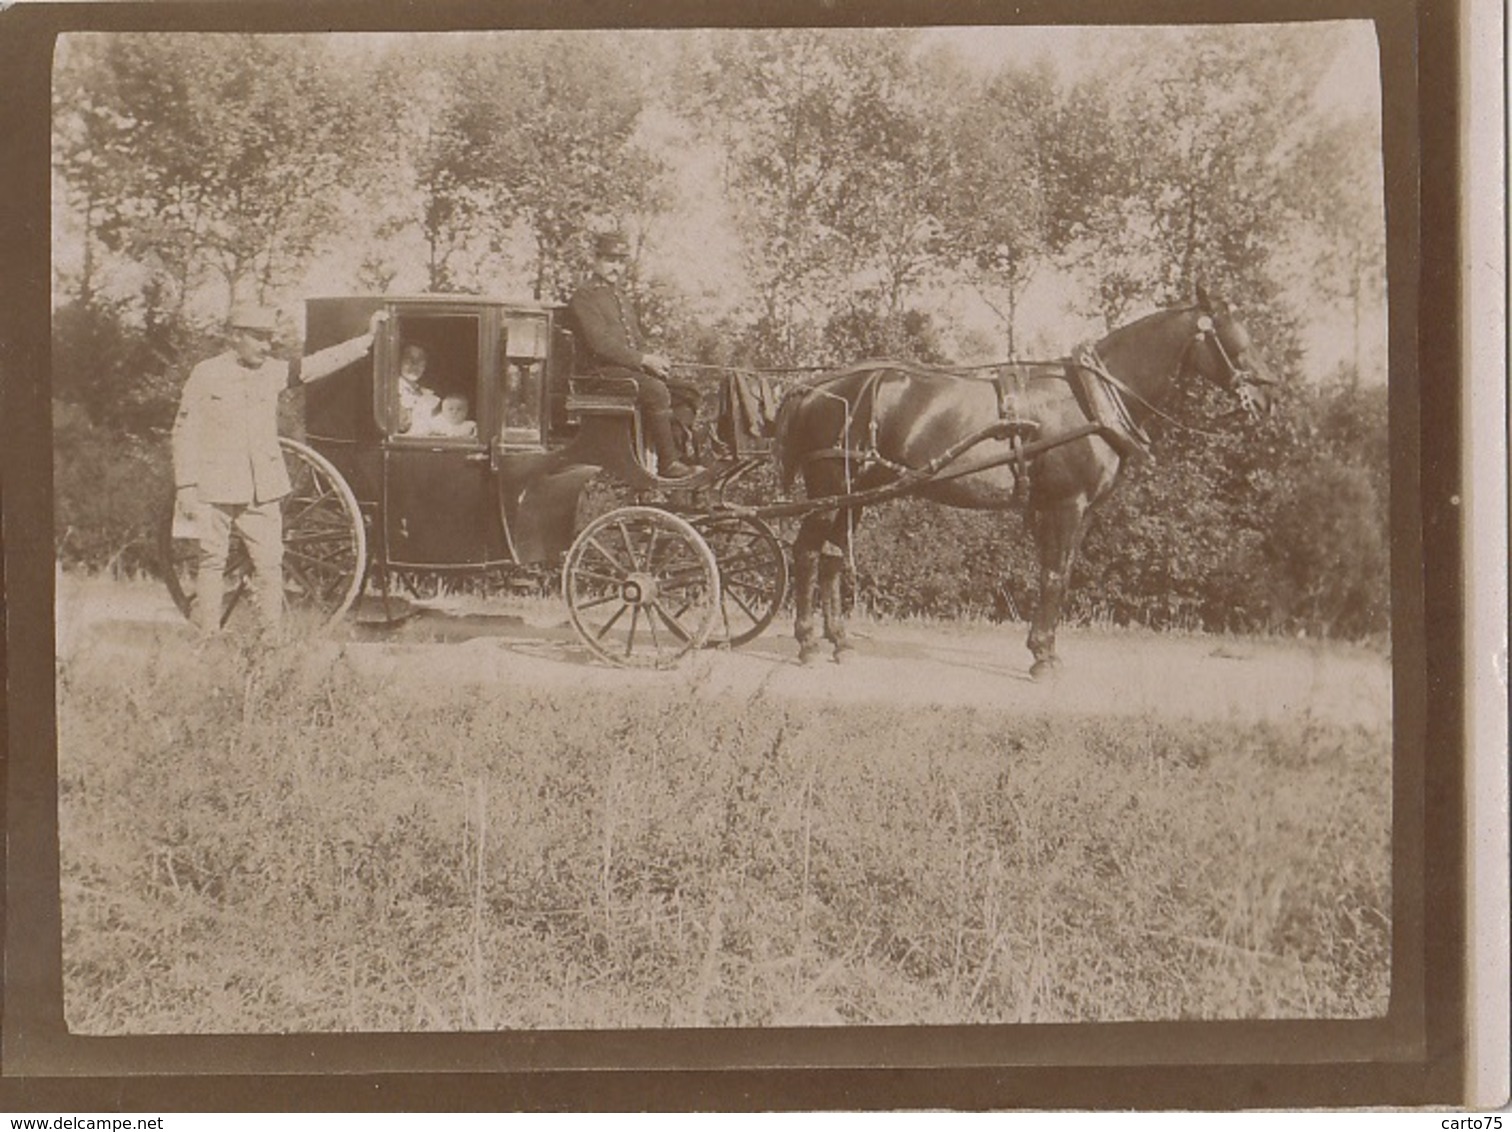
(753, 576)
(325, 545)
(642, 587)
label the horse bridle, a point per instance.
(1243, 381)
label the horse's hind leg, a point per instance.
(806, 570)
(831, 572)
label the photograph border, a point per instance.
(1412, 1056)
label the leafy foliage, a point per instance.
(227, 154)
(110, 490)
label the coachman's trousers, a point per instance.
(261, 528)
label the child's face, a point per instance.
(454, 409)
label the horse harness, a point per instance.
(1098, 391)
(1103, 397)
(1008, 383)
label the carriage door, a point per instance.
(439, 506)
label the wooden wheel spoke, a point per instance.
(297, 572)
(747, 561)
(604, 553)
(624, 531)
(319, 583)
(339, 537)
(339, 558)
(757, 588)
(298, 518)
(672, 623)
(682, 576)
(738, 600)
(609, 624)
(630, 637)
(598, 601)
(606, 579)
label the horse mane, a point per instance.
(1154, 316)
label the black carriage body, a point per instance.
(502, 490)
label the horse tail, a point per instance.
(784, 436)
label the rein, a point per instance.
(1087, 358)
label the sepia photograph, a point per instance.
(815, 545)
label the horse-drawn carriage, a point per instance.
(687, 563)
(376, 502)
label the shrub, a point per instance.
(1326, 553)
(109, 491)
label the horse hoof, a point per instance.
(1046, 669)
(845, 655)
(807, 655)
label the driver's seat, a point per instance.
(573, 394)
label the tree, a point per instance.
(452, 122)
(1000, 225)
(1339, 207)
(788, 106)
(227, 155)
(1327, 551)
(895, 182)
(566, 156)
(1200, 130)
(90, 146)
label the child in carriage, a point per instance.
(452, 419)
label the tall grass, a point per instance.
(265, 840)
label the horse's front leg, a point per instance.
(805, 573)
(1058, 533)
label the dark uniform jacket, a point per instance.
(608, 333)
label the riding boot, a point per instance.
(668, 466)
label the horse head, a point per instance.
(1223, 353)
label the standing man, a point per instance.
(228, 470)
(607, 327)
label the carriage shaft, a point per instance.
(937, 470)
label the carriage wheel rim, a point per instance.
(753, 576)
(641, 587)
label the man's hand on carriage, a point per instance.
(376, 323)
(658, 364)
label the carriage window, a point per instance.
(434, 389)
(523, 380)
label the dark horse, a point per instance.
(1056, 435)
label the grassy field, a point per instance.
(253, 842)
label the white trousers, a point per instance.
(261, 529)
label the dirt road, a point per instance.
(983, 666)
